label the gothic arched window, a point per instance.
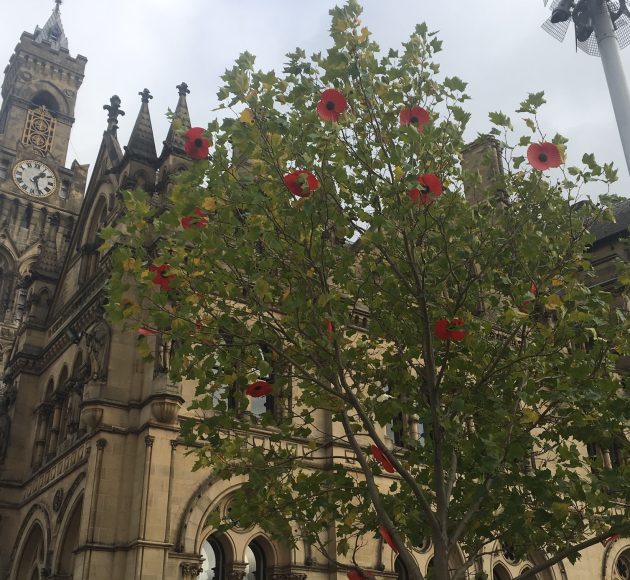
(255, 560)
(400, 569)
(7, 287)
(213, 560)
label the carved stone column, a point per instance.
(237, 572)
(43, 417)
(190, 570)
(54, 430)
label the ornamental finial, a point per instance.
(58, 5)
(146, 95)
(183, 89)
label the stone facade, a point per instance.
(94, 481)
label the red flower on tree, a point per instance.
(388, 539)
(542, 156)
(430, 189)
(301, 182)
(199, 219)
(160, 278)
(331, 105)
(258, 388)
(196, 146)
(416, 116)
(534, 290)
(382, 459)
(447, 329)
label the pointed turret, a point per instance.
(141, 146)
(52, 31)
(174, 142)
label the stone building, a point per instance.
(94, 483)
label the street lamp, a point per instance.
(601, 29)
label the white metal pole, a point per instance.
(613, 69)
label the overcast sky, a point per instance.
(497, 46)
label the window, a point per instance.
(400, 569)
(260, 405)
(255, 559)
(213, 560)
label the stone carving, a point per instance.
(58, 500)
(98, 343)
(75, 396)
(191, 570)
(5, 427)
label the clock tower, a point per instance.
(40, 197)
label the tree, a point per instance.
(319, 209)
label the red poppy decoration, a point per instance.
(430, 189)
(358, 574)
(196, 146)
(382, 459)
(542, 156)
(331, 105)
(301, 186)
(609, 539)
(198, 220)
(534, 290)
(259, 388)
(147, 332)
(388, 539)
(160, 278)
(416, 116)
(448, 329)
(330, 329)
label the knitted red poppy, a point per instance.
(301, 186)
(388, 539)
(416, 116)
(147, 332)
(447, 329)
(382, 459)
(331, 105)
(160, 278)
(542, 156)
(330, 329)
(430, 189)
(199, 219)
(358, 574)
(258, 388)
(196, 146)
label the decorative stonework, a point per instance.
(39, 130)
(165, 410)
(58, 500)
(190, 570)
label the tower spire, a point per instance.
(52, 31)
(141, 144)
(180, 124)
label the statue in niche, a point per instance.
(75, 396)
(5, 427)
(98, 343)
(166, 352)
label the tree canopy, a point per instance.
(325, 267)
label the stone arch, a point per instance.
(27, 545)
(90, 242)
(616, 560)
(68, 542)
(45, 93)
(192, 529)
(500, 572)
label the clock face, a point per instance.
(34, 178)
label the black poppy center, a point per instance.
(330, 105)
(543, 157)
(198, 142)
(414, 120)
(425, 189)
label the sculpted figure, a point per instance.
(98, 343)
